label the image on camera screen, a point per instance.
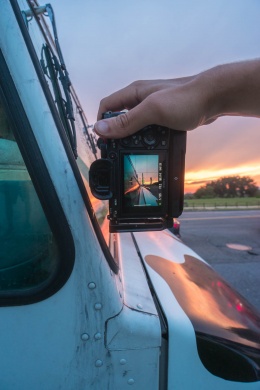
(142, 180)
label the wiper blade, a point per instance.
(64, 79)
(53, 70)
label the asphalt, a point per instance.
(230, 242)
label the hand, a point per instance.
(177, 104)
(184, 103)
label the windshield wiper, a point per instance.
(64, 78)
(54, 68)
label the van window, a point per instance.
(28, 250)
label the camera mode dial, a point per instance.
(149, 137)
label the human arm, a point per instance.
(184, 103)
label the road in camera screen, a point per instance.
(141, 186)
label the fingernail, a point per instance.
(101, 127)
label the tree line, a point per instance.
(228, 187)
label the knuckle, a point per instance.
(122, 121)
(103, 102)
(137, 87)
(155, 106)
(137, 83)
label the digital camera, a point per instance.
(142, 176)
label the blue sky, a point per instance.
(108, 44)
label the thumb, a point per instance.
(124, 124)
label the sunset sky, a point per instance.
(109, 44)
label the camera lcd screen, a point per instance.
(142, 181)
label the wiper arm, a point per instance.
(57, 69)
(39, 10)
(50, 13)
(64, 78)
(52, 69)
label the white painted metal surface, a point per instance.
(185, 369)
(136, 331)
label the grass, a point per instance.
(222, 202)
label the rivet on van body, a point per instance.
(139, 306)
(97, 336)
(131, 381)
(98, 306)
(99, 363)
(91, 285)
(84, 337)
(122, 361)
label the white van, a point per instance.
(81, 308)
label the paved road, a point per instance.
(146, 198)
(209, 232)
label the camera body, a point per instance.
(142, 176)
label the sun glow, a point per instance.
(196, 179)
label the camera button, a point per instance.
(126, 141)
(112, 155)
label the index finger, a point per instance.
(125, 98)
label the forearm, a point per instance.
(232, 89)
